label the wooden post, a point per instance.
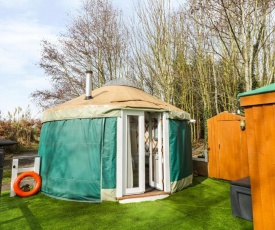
(260, 123)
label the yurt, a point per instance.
(114, 142)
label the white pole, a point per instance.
(88, 85)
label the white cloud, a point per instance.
(19, 52)
(20, 45)
(69, 4)
(16, 3)
(17, 92)
(32, 83)
(23, 24)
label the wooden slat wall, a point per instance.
(213, 161)
(244, 166)
(227, 147)
(260, 125)
(227, 150)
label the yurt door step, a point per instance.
(150, 195)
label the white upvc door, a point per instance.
(133, 152)
(156, 152)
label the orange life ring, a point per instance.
(16, 185)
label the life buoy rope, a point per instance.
(16, 185)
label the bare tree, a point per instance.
(197, 56)
(240, 27)
(162, 55)
(233, 50)
(154, 47)
(95, 40)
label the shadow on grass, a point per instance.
(197, 180)
(29, 216)
(19, 212)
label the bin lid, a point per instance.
(4, 142)
(244, 182)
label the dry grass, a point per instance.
(20, 127)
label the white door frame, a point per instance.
(156, 159)
(121, 151)
(166, 154)
(141, 149)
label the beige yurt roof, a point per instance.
(108, 101)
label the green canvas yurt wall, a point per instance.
(181, 163)
(78, 158)
(78, 144)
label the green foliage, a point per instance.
(6, 175)
(205, 205)
(21, 127)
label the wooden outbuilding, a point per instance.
(259, 106)
(227, 148)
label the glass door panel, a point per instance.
(156, 147)
(132, 152)
(134, 167)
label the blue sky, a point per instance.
(23, 24)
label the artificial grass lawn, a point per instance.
(204, 205)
